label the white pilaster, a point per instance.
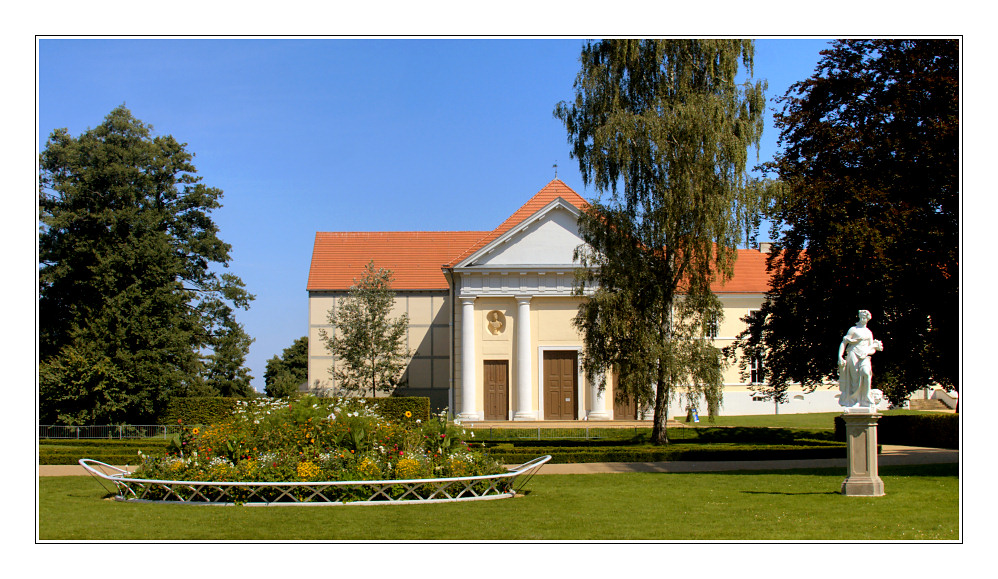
(468, 361)
(524, 406)
(598, 409)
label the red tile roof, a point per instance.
(749, 274)
(417, 257)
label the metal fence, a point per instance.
(112, 432)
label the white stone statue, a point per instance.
(855, 369)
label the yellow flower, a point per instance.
(407, 468)
(195, 431)
(408, 414)
(307, 470)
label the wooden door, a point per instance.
(624, 407)
(496, 389)
(561, 380)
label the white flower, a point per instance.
(418, 421)
(473, 435)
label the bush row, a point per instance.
(561, 455)
(108, 451)
(735, 435)
(210, 410)
(929, 430)
(128, 443)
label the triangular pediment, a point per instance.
(549, 237)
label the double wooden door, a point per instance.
(561, 381)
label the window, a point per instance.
(758, 374)
(710, 328)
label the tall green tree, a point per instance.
(225, 369)
(130, 304)
(868, 218)
(662, 128)
(285, 373)
(368, 346)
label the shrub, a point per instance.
(934, 430)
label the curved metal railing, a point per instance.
(471, 488)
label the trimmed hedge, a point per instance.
(562, 455)
(394, 408)
(732, 435)
(930, 430)
(209, 410)
(198, 410)
(109, 451)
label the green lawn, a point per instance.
(922, 503)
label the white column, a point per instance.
(597, 410)
(524, 400)
(468, 361)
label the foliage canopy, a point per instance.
(867, 218)
(284, 375)
(131, 310)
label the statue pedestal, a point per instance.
(861, 440)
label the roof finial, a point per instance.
(555, 169)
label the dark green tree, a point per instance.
(225, 368)
(368, 346)
(867, 218)
(129, 302)
(284, 375)
(662, 127)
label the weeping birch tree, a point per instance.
(661, 129)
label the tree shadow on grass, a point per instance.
(791, 493)
(939, 469)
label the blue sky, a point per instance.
(307, 135)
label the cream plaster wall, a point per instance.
(428, 337)
(429, 371)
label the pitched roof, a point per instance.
(553, 190)
(749, 274)
(415, 257)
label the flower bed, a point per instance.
(316, 450)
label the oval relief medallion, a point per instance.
(496, 321)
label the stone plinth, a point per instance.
(863, 479)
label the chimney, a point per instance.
(765, 247)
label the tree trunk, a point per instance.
(659, 434)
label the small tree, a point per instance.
(368, 347)
(283, 375)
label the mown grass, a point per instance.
(922, 503)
